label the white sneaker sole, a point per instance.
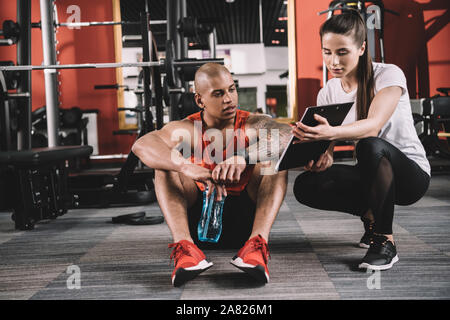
(258, 272)
(363, 245)
(365, 265)
(185, 274)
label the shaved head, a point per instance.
(206, 72)
(216, 93)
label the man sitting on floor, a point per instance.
(242, 173)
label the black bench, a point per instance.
(38, 182)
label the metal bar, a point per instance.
(146, 56)
(105, 23)
(50, 76)
(158, 89)
(261, 35)
(173, 16)
(6, 42)
(131, 38)
(5, 128)
(18, 95)
(160, 63)
(212, 43)
(184, 45)
(110, 156)
(83, 66)
(177, 90)
(443, 134)
(24, 58)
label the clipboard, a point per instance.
(298, 155)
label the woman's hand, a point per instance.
(323, 131)
(324, 162)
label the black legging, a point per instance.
(382, 177)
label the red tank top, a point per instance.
(240, 139)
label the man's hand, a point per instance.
(229, 171)
(196, 172)
(204, 175)
(324, 162)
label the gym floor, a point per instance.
(313, 256)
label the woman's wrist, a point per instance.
(335, 131)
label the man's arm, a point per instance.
(157, 149)
(268, 138)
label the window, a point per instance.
(247, 99)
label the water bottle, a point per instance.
(210, 223)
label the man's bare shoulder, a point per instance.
(263, 121)
(184, 124)
(174, 131)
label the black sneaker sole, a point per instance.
(366, 265)
(184, 275)
(257, 272)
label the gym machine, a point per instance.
(152, 75)
(33, 181)
(434, 115)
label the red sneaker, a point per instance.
(189, 262)
(253, 257)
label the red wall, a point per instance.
(90, 44)
(416, 41)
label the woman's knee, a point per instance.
(303, 187)
(370, 151)
(369, 146)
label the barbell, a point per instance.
(161, 63)
(105, 23)
(169, 65)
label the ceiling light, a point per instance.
(229, 1)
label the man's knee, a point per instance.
(173, 178)
(260, 178)
(172, 181)
(278, 179)
(164, 176)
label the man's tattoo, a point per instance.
(267, 138)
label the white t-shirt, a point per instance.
(399, 129)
